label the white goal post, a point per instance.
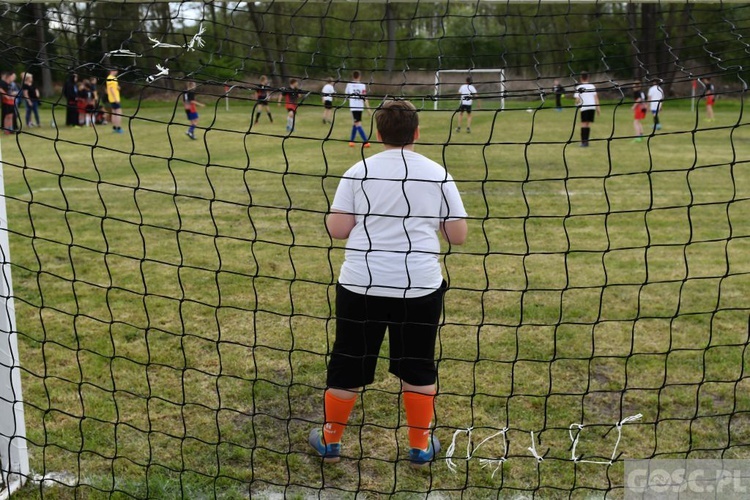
(14, 457)
(497, 93)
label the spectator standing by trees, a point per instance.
(559, 92)
(31, 100)
(113, 96)
(8, 101)
(70, 94)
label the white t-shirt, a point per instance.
(398, 198)
(328, 91)
(586, 96)
(356, 91)
(467, 91)
(655, 96)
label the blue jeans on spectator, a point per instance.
(32, 107)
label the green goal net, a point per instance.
(172, 312)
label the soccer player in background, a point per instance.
(655, 98)
(327, 97)
(709, 92)
(639, 111)
(291, 102)
(113, 96)
(390, 208)
(191, 108)
(356, 92)
(559, 92)
(588, 100)
(261, 99)
(468, 92)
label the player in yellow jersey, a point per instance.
(113, 95)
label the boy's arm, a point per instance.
(454, 231)
(340, 224)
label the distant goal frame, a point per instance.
(499, 71)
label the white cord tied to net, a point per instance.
(190, 46)
(163, 71)
(484, 461)
(618, 426)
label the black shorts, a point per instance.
(588, 115)
(361, 322)
(465, 107)
(357, 116)
(328, 104)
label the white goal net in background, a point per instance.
(489, 83)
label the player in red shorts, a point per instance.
(191, 108)
(640, 109)
(710, 94)
(291, 101)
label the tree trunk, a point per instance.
(648, 48)
(390, 29)
(267, 42)
(637, 69)
(40, 26)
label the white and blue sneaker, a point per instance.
(420, 458)
(330, 453)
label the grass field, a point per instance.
(174, 297)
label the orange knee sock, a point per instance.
(337, 413)
(419, 412)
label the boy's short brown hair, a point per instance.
(397, 121)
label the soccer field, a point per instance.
(174, 302)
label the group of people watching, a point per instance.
(84, 104)
(13, 96)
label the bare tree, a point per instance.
(40, 23)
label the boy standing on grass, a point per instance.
(356, 92)
(261, 99)
(390, 209)
(655, 98)
(291, 101)
(327, 96)
(113, 96)
(588, 100)
(639, 111)
(709, 92)
(8, 102)
(559, 92)
(468, 92)
(191, 108)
